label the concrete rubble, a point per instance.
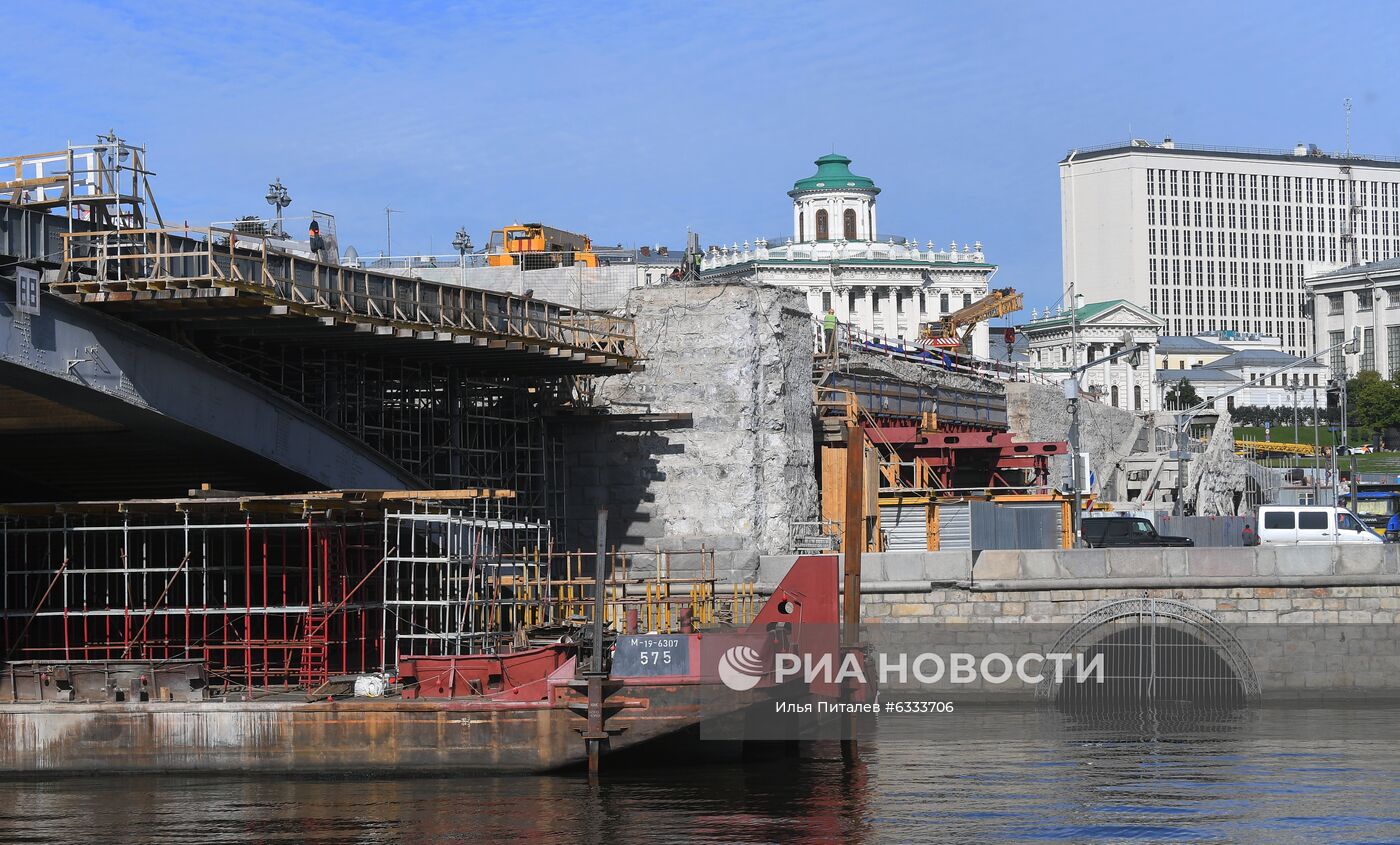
(1216, 477)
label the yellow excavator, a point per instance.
(958, 325)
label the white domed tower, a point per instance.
(833, 204)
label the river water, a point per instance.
(1275, 775)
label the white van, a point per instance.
(1287, 525)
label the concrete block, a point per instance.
(1304, 560)
(921, 566)
(1360, 560)
(772, 568)
(1391, 564)
(1039, 563)
(1138, 563)
(1265, 560)
(1220, 562)
(1082, 563)
(1174, 563)
(997, 565)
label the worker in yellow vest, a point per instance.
(829, 331)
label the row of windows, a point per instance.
(880, 300)
(1205, 303)
(1287, 218)
(1335, 305)
(1318, 247)
(1367, 359)
(1230, 274)
(823, 220)
(1256, 188)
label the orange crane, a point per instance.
(959, 324)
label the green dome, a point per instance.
(833, 174)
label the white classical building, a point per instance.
(1365, 296)
(1216, 238)
(835, 255)
(1103, 328)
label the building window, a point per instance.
(801, 227)
(1368, 350)
(1334, 303)
(943, 303)
(1137, 397)
(1113, 395)
(826, 300)
(1363, 300)
(848, 223)
(823, 228)
(1392, 348)
(967, 299)
(1337, 359)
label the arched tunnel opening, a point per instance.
(1155, 656)
(1154, 665)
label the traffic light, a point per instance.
(1334, 396)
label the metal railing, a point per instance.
(167, 258)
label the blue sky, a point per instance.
(633, 121)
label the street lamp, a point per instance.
(1073, 390)
(462, 242)
(278, 198)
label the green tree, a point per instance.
(1374, 403)
(1182, 395)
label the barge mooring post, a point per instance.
(852, 544)
(596, 737)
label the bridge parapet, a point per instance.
(202, 269)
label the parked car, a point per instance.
(1101, 532)
(1287, 525)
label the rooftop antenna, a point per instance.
(389, 230)
(1346, 106)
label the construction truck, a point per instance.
(535, 246)
(955, 330)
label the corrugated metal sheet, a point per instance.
(954, 526)
(905, 527)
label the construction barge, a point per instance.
(357, 631)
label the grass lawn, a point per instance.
(1388, 462)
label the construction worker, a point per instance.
(317, 243)
(829, 330)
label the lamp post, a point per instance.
(1073, 390)
(278, 198)
(462, 242)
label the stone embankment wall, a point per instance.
(739, 360)
(1312, 620)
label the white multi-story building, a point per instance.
(1368, 297)
(836, 257)
(1213, 238)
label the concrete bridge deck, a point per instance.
(236, 284)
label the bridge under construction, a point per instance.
(232, 356)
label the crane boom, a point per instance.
(960, 323)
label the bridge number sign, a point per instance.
(27, 291)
